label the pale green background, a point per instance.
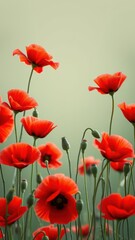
(88, 38)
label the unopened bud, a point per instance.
(65, 144)
(94, 170)
(10, 195)
(24, 185)
(126, 168)
(79, 205)
(95, 133)
(35, 113)
(39, 178)
(30, 200)
(83, 145)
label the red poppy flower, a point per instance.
(19, 155)
(37, 57)
(6, 122)
(20, 100)
(119, 166)
(108, 83)
(52, 154)
(117, 207)
(11, 212)
(83, 231)
(55, 201)
(128, 111)
(51, 232)
(36, 127)
(1, 234)
(89, 161)
(114, 147)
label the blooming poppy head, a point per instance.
(89, 161)
(20, 100)
(37, 57)
(19, 155)
(108, 83)
(56, 203)
(50, 153)
(11, 212)
(114, 147)
(116, 207)
(50, 231)
(36, 127)
(119, 166)
(128, 111)
(6, 122)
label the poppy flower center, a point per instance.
(47, 157)
(59, 202)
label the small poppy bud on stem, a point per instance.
(39, 178)
(24, 185)
(83, 145)
(79, 205)
(95, 133)
(126, 168)
(35, 113)
(94, 170)
(10, 195)
(30, 200)
(65, 144)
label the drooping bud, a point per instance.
(30, 200)
(126, 168)
(83, 145)
(24, 185)
(10, 194)
(35, 113)
(39, 178)
(65, 144)
(95, 133)
(94, 170)
(79, 205)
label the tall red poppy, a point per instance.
(114, 147)
(88, 161)
(37, 57)
(19, 155)
(6, 122)
(36, 127)
(20, 100)
(51, 232)
(119, 166)
(12, 211)
(56, 203)
(108, 83)
(115, 206)
(128, 111)
(51, 153)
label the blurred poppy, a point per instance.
(114, 147)
(12, 211)
(128, 111)
(20, 100)
(37, 57)
(55, 201)
(119, 166)
(116, 207)
(6, 122)
(51, 232)
(108, 83)
(108, 229)
(51, 153)
(83, 231)
(36, 127)
(1, 234)
(19, 155)
(88, 161)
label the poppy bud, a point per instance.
(24, 185)
(88, 171)
(10, 195)
(39, 178)
(45, 238)
(83, 145)
(126, 168)
(79, 205)
(94, 170)
(35, 113)
(95, 133)
(65, 144)
(30, 200)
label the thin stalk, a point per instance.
(112, 113)
(59, 231)
(69, 163)
(15, 127)
(3, 181)
(47, 167)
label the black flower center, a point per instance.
(59, 202)
(47, 157)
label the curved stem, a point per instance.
(15, 127)
(112, 113)
(69, 163)
(29, 81)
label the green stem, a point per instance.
(93, 203)
(112, 113)
(132, 168)
(59, 231)
(69, 163)
(29, 81)
(3, 181)
(15, 127)
(46, 162)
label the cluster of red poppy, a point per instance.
(55, 196)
